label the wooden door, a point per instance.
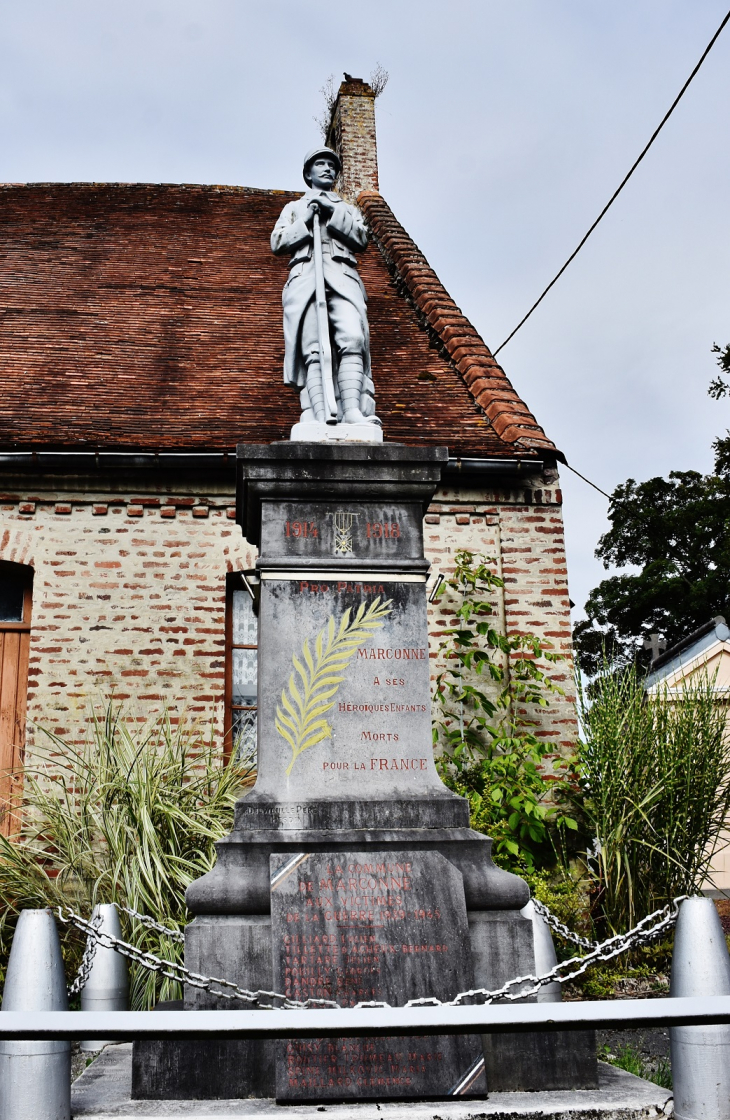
(16, 597)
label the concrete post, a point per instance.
(545, 957)
(35, 1077)
(700, 1055)
(107, 988)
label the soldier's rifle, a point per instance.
(323, 326)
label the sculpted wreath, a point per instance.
(311, 689)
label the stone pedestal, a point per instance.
(345, 762)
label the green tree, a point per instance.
(720, 387)
(676, 532)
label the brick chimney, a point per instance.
(352, 135)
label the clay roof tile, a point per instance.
(148, 316)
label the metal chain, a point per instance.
(613, 947)
(87, 960)
(173, 934)
(641, 934)
(555, 924)
(173, 970)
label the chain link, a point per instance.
(87, 960)
(150, 923)
(555, 924)
(173, 970)
(605, 951)
(642, 934)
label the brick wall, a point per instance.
(522, 529)
(128, 599)
(129, 591)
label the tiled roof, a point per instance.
(137, 316)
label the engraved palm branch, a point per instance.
(312, 687)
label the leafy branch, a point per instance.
(484, 700)
(306, 700)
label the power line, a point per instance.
(617, 192)
(598, 488)
(637, 516)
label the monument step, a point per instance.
(104, 1090)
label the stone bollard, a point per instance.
(107, 988)
(545, 957)
(700, 1055)
(35, 1077)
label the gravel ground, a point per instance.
(651, 1043)
(80, 1059)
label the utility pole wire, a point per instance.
(598, 488)
(641, 517)
(617, 192)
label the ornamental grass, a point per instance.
(131, 817)
(655, 776)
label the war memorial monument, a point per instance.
(351, 873)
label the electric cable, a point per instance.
(598, 488)
(617, 192)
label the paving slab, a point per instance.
(104, 1091)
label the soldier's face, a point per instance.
(322, 172)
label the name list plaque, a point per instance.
(372, 925)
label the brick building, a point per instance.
(141, 340)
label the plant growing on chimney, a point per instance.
(379, 79)
(484, 697)
(377, 82)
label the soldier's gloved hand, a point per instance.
(320, 205)
(325, 207)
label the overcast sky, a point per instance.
(505, 127)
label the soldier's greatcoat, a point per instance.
(342, 235)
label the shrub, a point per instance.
(130, 817)
(655, 773)
(484, 724)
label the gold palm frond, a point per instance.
(312, 687)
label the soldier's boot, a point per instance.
(312, 397)
(350, 382)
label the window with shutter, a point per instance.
(241, 671)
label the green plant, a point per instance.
(484, 727)
(564, 890)
(655, 773)
(131, 817)
(626, 1057)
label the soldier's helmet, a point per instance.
(312, 156)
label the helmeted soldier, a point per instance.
(342, 234)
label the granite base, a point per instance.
(103, 1092)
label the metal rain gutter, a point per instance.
(68, 460)
(494, 467)
(174, 460)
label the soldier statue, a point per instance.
(326, 336)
